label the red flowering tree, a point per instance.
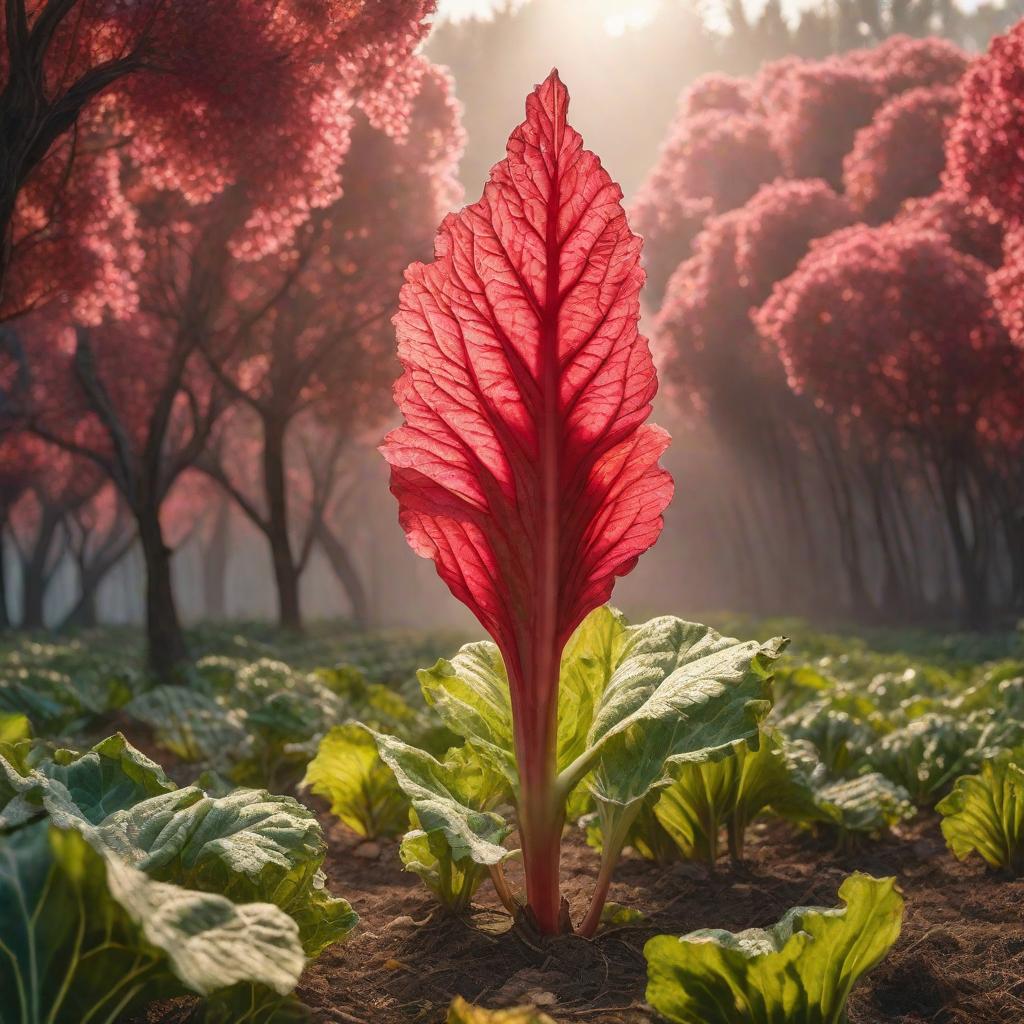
(816, 110)
(133, 398)
(713, 355)
(16, 471)
(985, 158)
(796, 117)
(987, 139)
(871, 126)
(307, 353)
(901, 154)
(133, 393)
(38, 523)
(893, 330)
(713, 160)
(195, 91)
(974, 229)
(99, 535)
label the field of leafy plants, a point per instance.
(568, 815)
(236, 848)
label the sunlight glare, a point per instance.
(628, 17)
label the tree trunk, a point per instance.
(166, 640)
(346, 572)
(35, 572)
(286, 572)
(975, 593)
(5, 614)
(215, 564)
(84, 613)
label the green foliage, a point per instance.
(88, 937)
(227, 890)
(348, 771)
(253, 722)
(840, 738)
(430, 852)
(867, 805)
(800, 971)
(451, 802)
(14, 727)
(984, 814)
(636, 703)
(646, 836)
(429, 855)
(929, 753)
(705, 798)
(64, 689)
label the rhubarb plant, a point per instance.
(348, 771)
(704, 799)
(799, 971)
(149, 890)
(526, 470)
(984, 814)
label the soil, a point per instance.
(959, 959)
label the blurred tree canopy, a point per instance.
(629, 79)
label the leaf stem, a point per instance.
(611, 850)
(502, 888)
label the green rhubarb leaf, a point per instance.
(680, 691)
(443, 801)
(588, 663)
(870, 803)
(984, 814)
(14, 727)
(462, 1012)
(680, 694)
(703, 799)
(839, 738)
(248, 845)
(211, 942)
(927, 754)
(85, 936)
(470, 694)
(617, 916)
(111, 776)
(800, 971)
(349, 772)
(428, 853)
(250, 1004)
(192, 725)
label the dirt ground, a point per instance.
(959, 960)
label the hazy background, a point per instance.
(625, 63)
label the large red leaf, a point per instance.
(524, 468)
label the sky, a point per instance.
(619, 15)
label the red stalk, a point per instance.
(536, 725)
(541, 813)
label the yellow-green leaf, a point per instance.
(462, 1012)
(800, 971)
(348, 771)
(984, 814)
